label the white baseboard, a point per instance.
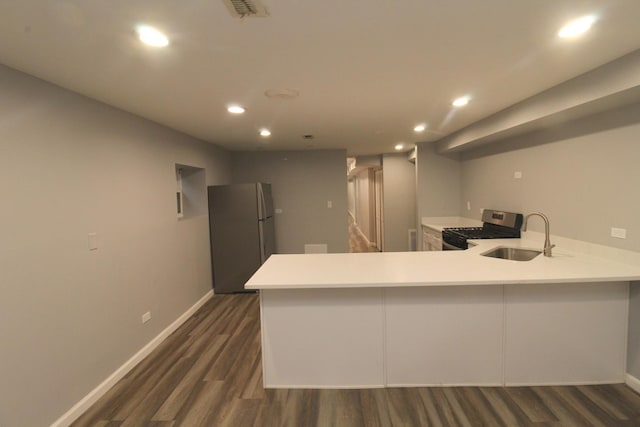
(633, 382)
(366, 239)
(324, 386)
(85, 403)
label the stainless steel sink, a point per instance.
(514, 254)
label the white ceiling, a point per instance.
(367, 71)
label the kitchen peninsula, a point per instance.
(445, 318)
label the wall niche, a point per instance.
(191, 192)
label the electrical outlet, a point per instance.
(620, 233)
(329, 204)
(517, 174)
(278, 211)
(468, 206)
(146, 317)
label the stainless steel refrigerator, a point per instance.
(241, 233)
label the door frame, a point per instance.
(378, 196)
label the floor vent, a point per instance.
(315, 248)
(413, 239)
(246, 8)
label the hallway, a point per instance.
(357, 242)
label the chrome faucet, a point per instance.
(547, 242)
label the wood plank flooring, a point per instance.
(357, 243)
(209, 373)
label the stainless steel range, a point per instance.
(495, 225)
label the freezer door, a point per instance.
(267, 238)
(265, 201)
(235, 236)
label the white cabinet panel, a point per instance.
(444, 335)
(520, 334)
(322, 338)
(431, 239)
(566, 333)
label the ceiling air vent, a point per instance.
(246, 8)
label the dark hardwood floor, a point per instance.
(208, 373)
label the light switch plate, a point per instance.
(517, 174)
(278, 211)
(329, 204)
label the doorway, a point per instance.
(378, 196)
(365, 210)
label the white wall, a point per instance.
(69, 317)
(399, 201)
(303, 184)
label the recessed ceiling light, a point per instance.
(399, 147)
(462, 101)
(265, 132)
(235, 109)
(151, 36)
(420, 128)
(577, 27)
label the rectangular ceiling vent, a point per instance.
(246, 8)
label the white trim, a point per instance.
(633, 382)
(262, 339)
(440, 385)
(385, 356)
(503, 353)
(366, 239)
(325, 386)
(85, 403)
(561, 383)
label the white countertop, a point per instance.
(441, 222)
(440, 268)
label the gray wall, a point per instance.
(399, 186)
(586, 181)
(303, 183)
(69, 317)
(584, 175)
(437, 183)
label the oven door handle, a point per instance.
(449, 246)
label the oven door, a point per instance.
(449, 247)
(453, 241)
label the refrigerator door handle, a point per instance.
(267, 237)
(262, 208)
(262, 242)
